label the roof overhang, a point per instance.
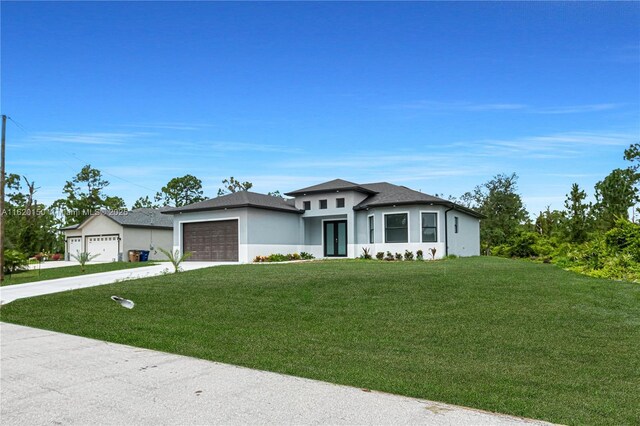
(449, 204)
(179, 210)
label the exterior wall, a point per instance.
(147, 239)
(414, 230)
(263, 232)
(270, 231)
(467, 241)
(351, 198)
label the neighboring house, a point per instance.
(332, 219)
(111, 234)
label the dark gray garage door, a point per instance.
(212, 241)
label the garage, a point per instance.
(211, 241)
(74, 246)
(103, 247)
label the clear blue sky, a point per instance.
(435, 96)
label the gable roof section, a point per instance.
(138, 218)
(387, 194)
(237, 200)
(331, 186)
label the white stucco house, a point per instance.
(332, 219)
(111, 234)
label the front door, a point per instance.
(335, 238)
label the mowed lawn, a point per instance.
(68, 271)
(501, 335)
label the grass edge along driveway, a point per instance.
(501, 335)
(69, 271)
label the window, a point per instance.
(396, 228)
(323, 204)
(307, 205)
(429, 227)
(339, 202)
(371, 221)
(455, 224)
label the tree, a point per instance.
(577, 215)
(549, 223)
(275, 194)
(498, 201)
(181, 191)
(633, 154)
(233, 185)
(85, 195)
(615, 194)
(144, 203)
(30, 226)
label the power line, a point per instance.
(21, 127)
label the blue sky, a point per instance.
(435, 96)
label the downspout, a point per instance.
(446, 232)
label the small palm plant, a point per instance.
(83, 258)
(175, 258)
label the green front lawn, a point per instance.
(68, 271)
(501, 335)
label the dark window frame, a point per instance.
(387, 228)
(322, 203)
(423, 226)
(372, 224)
(338, 202)
(306, 205)
(456, 224)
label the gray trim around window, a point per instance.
(429, 225)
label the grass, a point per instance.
(502, 335)
(68, 271)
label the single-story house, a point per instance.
(111, 234)
(333, 219)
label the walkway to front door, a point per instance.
(335, 238)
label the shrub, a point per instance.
(366, 253)
(306, 256)
(14, 261)
(277, 257)
(380, 255)
(398, 256)
(56, 256)
(408, 255)
(432, 252)
(523, 245)
(260, 259)
(294, 256)
(419, 255)
(389, 256)
(85, 257)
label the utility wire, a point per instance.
(21, 127)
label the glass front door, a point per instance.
(335, 238)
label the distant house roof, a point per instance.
(237, 200)
(387, 194)
(137, 218)
(331, 186)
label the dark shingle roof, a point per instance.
(387, 194)
(332, 185)
(138, 218)
(142, 218)
(239, 199)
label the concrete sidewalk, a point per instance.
(53, 378)
(20, 291)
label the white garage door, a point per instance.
(74, 246)
(105, 247)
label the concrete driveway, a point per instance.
(53, 378)
(19, 291)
